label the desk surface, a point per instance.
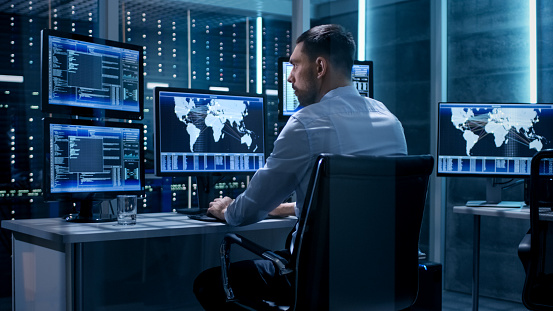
(519, 212)
(147, 226)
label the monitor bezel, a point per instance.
(468, 174)
(281, 83)
(87, 195)
(48, 107)
(157, 149)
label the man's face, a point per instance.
(303, 76)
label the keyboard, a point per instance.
(205, 217)
(211, 218)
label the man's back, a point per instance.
(343, 122)
(346, 123)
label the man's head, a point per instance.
(331, 41)
(322, 61)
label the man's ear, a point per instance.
(322, 66)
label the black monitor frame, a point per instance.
(205, 179)
(80, 110)
(282, 85)
(493, 185)
(87, 199)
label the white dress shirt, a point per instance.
(343, 122)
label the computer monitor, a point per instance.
(494, 140)
(90, 161)
(362, 77)
(205, 133)
(88, 76)
(288, 104)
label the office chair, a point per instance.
(535, 249)
(357, 241)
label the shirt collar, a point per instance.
(341, 91)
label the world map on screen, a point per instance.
(224, 117)
(476, 123)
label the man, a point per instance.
(335, 119)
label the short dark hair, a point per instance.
(332, 41)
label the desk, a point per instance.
(148, 266)
(519, 213)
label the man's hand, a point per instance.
(218, 207)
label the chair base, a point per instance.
(430, 287)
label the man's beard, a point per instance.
(308, 96)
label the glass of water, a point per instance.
(126, 209)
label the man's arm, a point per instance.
(218, 207)
(284, 209)
(273, 183)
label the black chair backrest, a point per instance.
(538, 285)
(357, 241)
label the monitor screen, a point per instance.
(87, 159)
(361, 76)
(491, 139)
(202, 132)
(91, 77)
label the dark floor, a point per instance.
(454, 301)
(451, 301)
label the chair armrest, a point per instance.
(524, 251)
(232, 238)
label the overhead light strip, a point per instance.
(361, 29)
(533, 53)
(153, 85)
(12, 79)
(259, 55)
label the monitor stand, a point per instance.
(86, 215)
(493, 197)
(205, 195)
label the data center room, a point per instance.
(422, 52)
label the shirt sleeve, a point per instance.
(271, 185)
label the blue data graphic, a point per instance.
(206, 132)
(492, 138)
(94, 159)
(91, 75)
(361, 78)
